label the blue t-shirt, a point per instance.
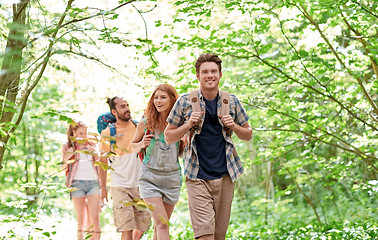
(211, 145)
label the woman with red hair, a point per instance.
(160, 177)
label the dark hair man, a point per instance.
(124, 179)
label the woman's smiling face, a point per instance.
(162, 101)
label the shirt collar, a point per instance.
(201, 96)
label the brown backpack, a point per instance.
(196, 107)
(225, 99)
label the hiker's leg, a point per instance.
(94, 215)
(80, 210)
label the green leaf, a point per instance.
(303, 53)
(148, 41)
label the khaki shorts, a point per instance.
(126, 216)
(210, 205)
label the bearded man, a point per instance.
(124, 179)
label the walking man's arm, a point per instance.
(173, 134)
(243, 132)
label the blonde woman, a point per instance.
(82, 175)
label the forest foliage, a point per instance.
(305, 71)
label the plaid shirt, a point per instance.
(181, 112)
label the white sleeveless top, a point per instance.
(85, 169)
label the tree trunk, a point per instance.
(11, 68)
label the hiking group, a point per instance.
(144, 160)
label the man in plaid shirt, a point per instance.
(210, 161)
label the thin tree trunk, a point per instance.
(11, 66)
(268, 188)
(308, 199)
(12, 60)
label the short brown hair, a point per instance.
(208, 57)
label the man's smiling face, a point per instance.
(209, 75)
(122, 110)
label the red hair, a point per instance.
(152, 115)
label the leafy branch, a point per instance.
(363, 42)
(359, 80)
(43, 65)
(365, 8)
(100, 13)
(346, 146)
(287, 76)
(95, 59)
(146, 32)
(39, 65)
(298, 55)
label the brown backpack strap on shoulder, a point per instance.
(194, 100)
(196, 107)
(225, 100)
(225, 107)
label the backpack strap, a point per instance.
(135, 122)
(225, 107)
(113, 132)
(142, 153)
(108, 117)
(194, 100)
(225, 110)
(196, 107)
(225, 100)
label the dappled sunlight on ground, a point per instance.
(56, 220)
(62, 227)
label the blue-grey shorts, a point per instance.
(85, 188)
(153, 183)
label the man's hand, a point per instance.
(244, 132)
(174, 134)
(228, 122)
(195, 117)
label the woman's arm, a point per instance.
(141, 140)
(67, 153)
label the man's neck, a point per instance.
(122, 122)
(210, 94)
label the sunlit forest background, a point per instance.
(305, 71)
